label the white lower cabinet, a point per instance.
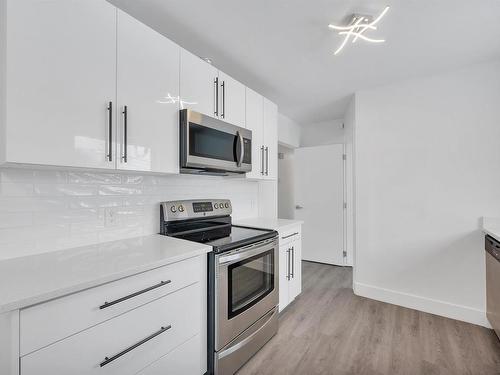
(164, 335)
(290, 265)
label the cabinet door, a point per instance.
(284, 266)
(61, 69)
(254, 122)
(271, 139)
(198, 86)
(295, 284)
(231, 100)
(148, 98)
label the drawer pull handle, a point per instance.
(107, 304)
(290, 235)
(143, 341)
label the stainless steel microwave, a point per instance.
(212, 146)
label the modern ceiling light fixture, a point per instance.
(357, 27)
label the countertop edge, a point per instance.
(54, 294)
(253, 222)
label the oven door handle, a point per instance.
(247, 253)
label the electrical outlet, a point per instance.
(110, 216)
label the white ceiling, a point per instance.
(284, 49)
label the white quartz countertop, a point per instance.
(267, 223)
(37, 278)
(491, 226)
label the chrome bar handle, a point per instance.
(110, 131)
(216, 84)
(267, 161)
(293, 261)
(262, 160)
(242, 149)
(114, 302)
(125, 118)
(223, 86)
(132, 347)
(288, 264)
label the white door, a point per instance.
(254, 122)
(198, 85)
(271, 139)
(231, 100)
(319, 191)
(61, 69)
(148, 98)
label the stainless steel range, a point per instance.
(243, 279)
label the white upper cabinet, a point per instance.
(231, 100)
(255, 122)
(61, 77)
(271, 139)
(198, 85)
(147, 98)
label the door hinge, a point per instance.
(343, 125)
(345, 204)
(344, 254)
(344, 156)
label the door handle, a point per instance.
(223, 86)
(262, 160)
(241, 153)
(288, 264)
(125, 120)
(110, 132)
(216, 84)
(132, 347)
(298, 207)
(267, 161)
(293, 261)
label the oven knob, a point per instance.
(173, 209)
(216, 205)
(221, 205)
(227, 205)
(181, 208)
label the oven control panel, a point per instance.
(191, 209)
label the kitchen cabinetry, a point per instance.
(262, 120)
(210, 91)
(147, 98)
(60, 81)
(84, 84)
(89, 86)
(255, 122)
(198, 85)
(148, 324)
(270, 133)
(232, 100)
(290, 258)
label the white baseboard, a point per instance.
(428, 305)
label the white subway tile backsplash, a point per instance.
(45, 210)
(16, 189)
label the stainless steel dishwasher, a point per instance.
(492, 247)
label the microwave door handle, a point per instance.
(239, 159)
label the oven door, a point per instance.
(246, 288)
(213, 145)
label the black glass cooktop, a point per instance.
(240, 236)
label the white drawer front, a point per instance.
(289, 234)
(183, 360)
(83, 353)
(49, 322)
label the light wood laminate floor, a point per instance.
(329, 330)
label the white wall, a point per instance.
(322, 133)
(427, 168)
(288, 131)
(44, 210)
